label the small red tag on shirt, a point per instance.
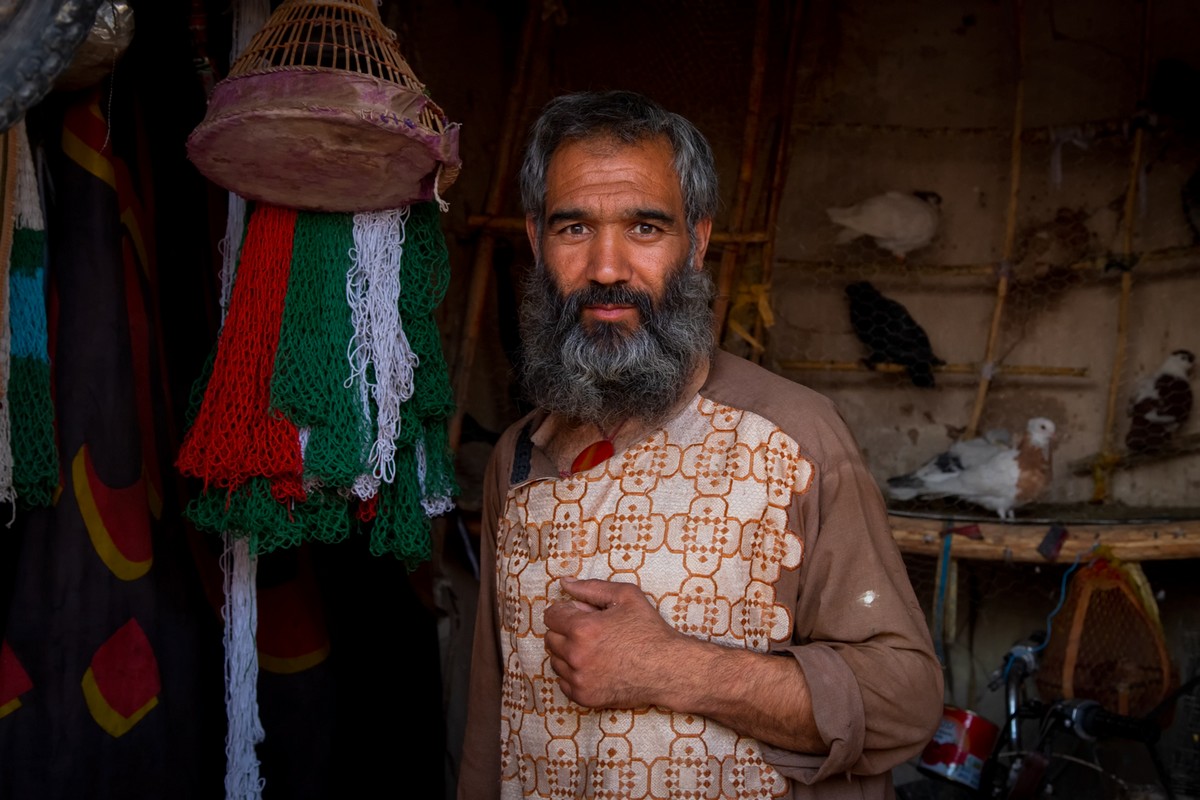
(595, 453)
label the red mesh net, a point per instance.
(235, 435)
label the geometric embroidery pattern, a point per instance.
(696, 515)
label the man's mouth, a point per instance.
(609, 312)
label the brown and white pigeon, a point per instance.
(899, 222)
(1161, 404)
(984, 472)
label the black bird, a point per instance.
(890, 333)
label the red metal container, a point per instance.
(960, 747)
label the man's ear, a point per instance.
(703, 231)
(532, 233)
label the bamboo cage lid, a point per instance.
(322, 112)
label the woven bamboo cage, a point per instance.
(322, 112)
(1109, 645)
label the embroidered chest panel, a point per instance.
(696, 515)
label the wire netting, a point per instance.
(1049, 286)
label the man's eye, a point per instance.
(575, 229)
(646, 228)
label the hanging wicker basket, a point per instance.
(1108, 644)
(321, 112)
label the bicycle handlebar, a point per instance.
(1091, 721)
(1019, 662)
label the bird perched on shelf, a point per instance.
(899, 222)
(986, 473)
(890, 333)
(1161, 404)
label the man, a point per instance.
(689, 588)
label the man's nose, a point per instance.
(608, 261)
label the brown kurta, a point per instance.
(749, 520)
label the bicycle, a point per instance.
(1071, 734)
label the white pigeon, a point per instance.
(985, 472)
(963, 455)
(1161, 404)
(899, 222)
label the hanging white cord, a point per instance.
(245, 731)
(433, 505)
(240, 614)
(379, 348)
(443, 206)
(358, 350)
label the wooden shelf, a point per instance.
(796, 365)
(1133, 541)
(1179, 446)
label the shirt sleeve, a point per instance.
(859, 633)
(479, 769)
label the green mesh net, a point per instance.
(311, 387)
(252, 512)
(34, 452)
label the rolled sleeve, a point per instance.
(862, 640)
(838, 710)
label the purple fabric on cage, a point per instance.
(323, 140)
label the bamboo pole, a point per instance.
(1107, 460)
(957, 369)
(987, 369)
(944, 563)
(730, 256)
(1010, 227)
(950, 618)
(782, 160)
(482, 268)
(8, 185)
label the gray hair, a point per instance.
(628, 118)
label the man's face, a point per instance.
(615, 217)
(616, 316)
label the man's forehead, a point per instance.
(607, 167)
(607, 146)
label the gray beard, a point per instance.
(603, 373)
